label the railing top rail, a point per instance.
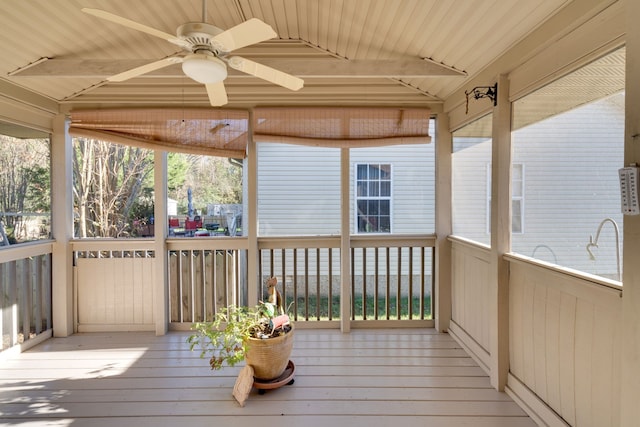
(357, 241)
(297, 242)
(242, 243)
(586, 278)
(469, 243)
(108, 244)
(208, 243)
(394, 240)
(25, 250)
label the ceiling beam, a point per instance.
(404, 67)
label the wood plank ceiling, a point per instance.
(324, 38)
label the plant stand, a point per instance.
(285, 379)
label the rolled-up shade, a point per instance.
(224, 133)
(215, 132)
(344, 127)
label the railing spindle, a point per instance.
(353, 283)
(318, 300)
(388, 279)
(364, 283)
(399, 286)
(410, 297)
(330, 284)
(306, 284)
(295, 283)
(283, 275)
(376, 279)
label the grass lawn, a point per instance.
(360, 308)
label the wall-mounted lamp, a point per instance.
(478, 92)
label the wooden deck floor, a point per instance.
(366, 378)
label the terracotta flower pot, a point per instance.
(269, 357)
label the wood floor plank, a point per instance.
(290, 421)
(114, 363)
(22, 396)
(265, 407)
(367, 378)
(225, 380)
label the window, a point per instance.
(25, 189)
(570, 134)
(204, 195)
(113, 189)
(470, 185)
(373, 197)
(517, 198)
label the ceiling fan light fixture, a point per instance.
(204, 68)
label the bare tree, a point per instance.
(24, 180)
(108, 178)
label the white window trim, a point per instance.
(356, 198)
(519, 198)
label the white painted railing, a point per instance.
(114, 285)
(391, 279)
(391, 276)
(564, 344)
(564, 339)
(204, 276)
(25, 293)
(470, 291)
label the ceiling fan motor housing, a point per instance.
(199, 35)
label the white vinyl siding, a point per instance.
(298, 190)
(412, 186)
(470, 190)
(572, 165)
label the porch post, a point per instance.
(62, 228)
(442, 298)
(160, 227)
(500, 237)
(630, 369)
(251, 224)
(345, 243)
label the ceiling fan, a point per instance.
(207, 47)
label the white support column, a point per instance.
(345, 243)
(630, 369)
(251, 223)
(442, 297)
(62, 227)
(161, 291)
(500, 237)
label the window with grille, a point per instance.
(373, 197)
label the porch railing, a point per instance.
(204, 276)
(391, 277)
(308, 273)
(114, 285)
(25, 293)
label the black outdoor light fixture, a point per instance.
(479, 92)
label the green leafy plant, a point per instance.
(226, 338)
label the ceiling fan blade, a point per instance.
(266, 73)
(217, 94)
(249, 32)
(134, 25)
(144, 69)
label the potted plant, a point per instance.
(261, 335)
(255, 334)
